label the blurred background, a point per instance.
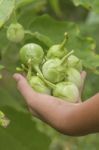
(51, 18)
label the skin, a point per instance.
(73, 119)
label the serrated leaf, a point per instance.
(6, 8)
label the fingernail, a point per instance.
(16, 76)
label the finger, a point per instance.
(26, 91)
(24, 88)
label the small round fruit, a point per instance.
(75, 62)
(53, 70)
(74, 76)
(33, 52)
(67, 91)
(38, 85)
(15, 32)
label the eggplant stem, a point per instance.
(64, 41)
(66, 56)
(51, 85)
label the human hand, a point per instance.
(28, 93)
(77, 119)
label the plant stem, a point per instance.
(51, 85)
(66, 56)
(64, 41)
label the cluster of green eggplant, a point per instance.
(55, 73)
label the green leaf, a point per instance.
(6, 8)
(83, 46)
(93, 18)
(1, 67)
(6, 99)
(89, 4)
(21, 3)
(53, 29)
(21, 133)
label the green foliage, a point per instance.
(21, 132)
(6, 8)
(56, 7)
(91, 5)
(39, 21)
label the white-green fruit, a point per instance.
(75, 62)
(53, 70)
(15, 32)
(58, 50)
(33, 52)
(74, 76)
(38, 85)
(67, 91)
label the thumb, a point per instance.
(24, 87)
